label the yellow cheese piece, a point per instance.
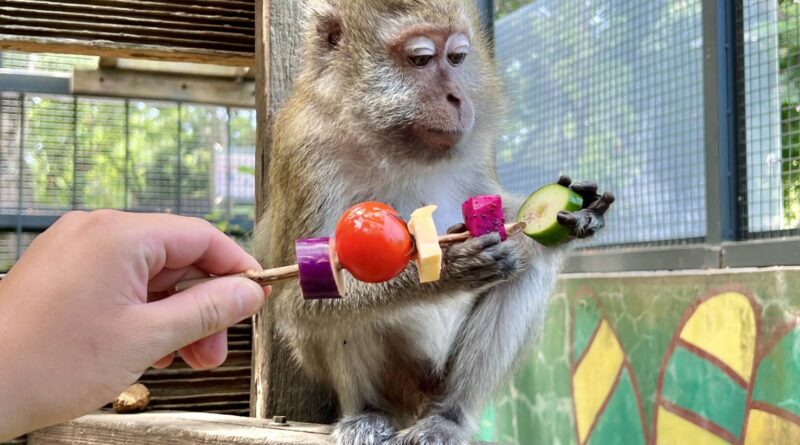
(429, 253)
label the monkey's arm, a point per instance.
(506, 319)
(472, 265)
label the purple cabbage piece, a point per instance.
(317, 275)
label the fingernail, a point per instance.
(250, 296)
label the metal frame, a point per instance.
(14, 81)
(486, 7)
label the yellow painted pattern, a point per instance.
(595, 376)
(768, 429)
(720, 319)
(675, 430)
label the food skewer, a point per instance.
(279, 274)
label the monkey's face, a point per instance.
(405, 73)
(431, 59)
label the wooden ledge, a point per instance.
(167, 428)
(179, 428)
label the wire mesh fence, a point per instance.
(611, 91)
(61, 153)
(45, 63)
(769, 98)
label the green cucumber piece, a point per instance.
(540, 213)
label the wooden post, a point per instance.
(278, 386)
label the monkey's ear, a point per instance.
(329, 30)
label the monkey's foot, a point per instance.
(433, 430)
(363, 429)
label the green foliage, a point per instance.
(789, 63)
(145, 156)
(504, 7)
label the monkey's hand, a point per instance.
(481, 261)
(589, 220)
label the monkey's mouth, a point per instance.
(439, 138)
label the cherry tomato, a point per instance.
(373, 242)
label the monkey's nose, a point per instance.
(454, 100)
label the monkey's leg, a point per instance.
(488, 346)
(369, 428)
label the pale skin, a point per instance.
(88, 309)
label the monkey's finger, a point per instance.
(468, 248)
(458, 228)
(589, 224)
(567, 219)
(565, 181)
(585, 189)
(603, 204)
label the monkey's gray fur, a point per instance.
(411, 364)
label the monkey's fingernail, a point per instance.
(565, 181)
(458, 228)
(567, 219)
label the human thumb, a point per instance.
(203, 310)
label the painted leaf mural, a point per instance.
(605, 397)
(706, 374)
(774, 415)
(648, 359)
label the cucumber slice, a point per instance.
(540, 213)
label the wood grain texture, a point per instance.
(177, 429)
(202, 31)
(279, 387)
(225, 390)
(143, 85)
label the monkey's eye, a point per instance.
(421, 50)
(456, 58)
(420, 61)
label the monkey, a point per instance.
(398, 101)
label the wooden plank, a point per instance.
(123, 83)
(123, 38)
(279, 387)
(124, 50)
(145, 22)
(177, 429)
(136, 31)
(180, 7)
(141, 10)
(180, 429)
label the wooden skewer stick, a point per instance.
(278, 274)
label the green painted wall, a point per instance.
(712, 358)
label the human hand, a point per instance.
(87, 310)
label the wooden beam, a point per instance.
(105, 48)
(146, 85)
(279, 387)
(178, 429)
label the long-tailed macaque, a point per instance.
(398, 102)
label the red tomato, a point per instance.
(373, 242)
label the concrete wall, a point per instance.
(668, 358)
